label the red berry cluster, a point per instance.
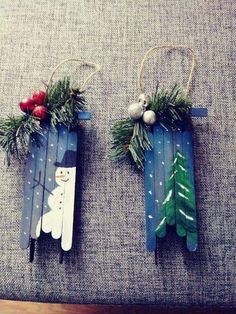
(35, 105)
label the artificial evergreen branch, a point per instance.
(64, 102)
(130, 139)
(61, 104)
(15, 134)
(171, 107)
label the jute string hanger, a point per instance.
(88, 63)
(157, 47)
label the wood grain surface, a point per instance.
(19, 307)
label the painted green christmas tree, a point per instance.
(179, 204)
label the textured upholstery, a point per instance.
(109, 262)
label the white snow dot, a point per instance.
(49, 179)
(160, 182)
(28, 182)
(31, 171)
(37, 193)
(60, 148)
(71, 144)
(168, 142)
(150, 175)
(159, 142)
(150, 192)
(45, 206)
(45, 132)
(159, 152)
(51, 145)
(149, 161)
(64, 132)
(41, 159)
(49, 159)
(37, 206)
(178, 145)
(162, 162)
(150, 216)
(32, 155)
(27, 218)
(28, 198)
(157, 201)
(24, 233)
(187, 143)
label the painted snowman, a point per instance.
(59, 219)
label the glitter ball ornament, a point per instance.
(149, 117)
(136, 111)
(40, 112)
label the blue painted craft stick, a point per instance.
(38, 187)
(69, 198)
(199, 112)
(50, 168)
(84, 115)
(151, 213)
(167, 162)
(188, 152)
(29, 174)
(159, 175)
(61, 149)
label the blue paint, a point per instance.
(188, 153)
(39, 181)
(199, 112)
(159, 174)
(50, 166)
(28, 199)
(151, 213)
(84, 115)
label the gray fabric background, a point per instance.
(109, 262)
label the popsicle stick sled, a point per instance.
(169, 184)
(49, 192)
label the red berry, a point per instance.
(27, 105)
(40, 112)
(39, 97)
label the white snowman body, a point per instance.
(59, 220)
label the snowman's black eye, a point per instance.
(68, 172)
(61, 172)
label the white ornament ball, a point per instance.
(136, 111)
(149, 117)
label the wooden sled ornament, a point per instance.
(46, 136)
(169, 184)
(50, 186)
(158, 138)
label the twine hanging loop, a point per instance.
(193, 64)
(89, 63)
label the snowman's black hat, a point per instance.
(68, 160)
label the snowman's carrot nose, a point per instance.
(62, 176)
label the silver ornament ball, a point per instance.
(144, 99)
(149, 117)
(136, 111)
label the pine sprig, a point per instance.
(15, 134)
(171, 107)
(130, 139)
(64, 102)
